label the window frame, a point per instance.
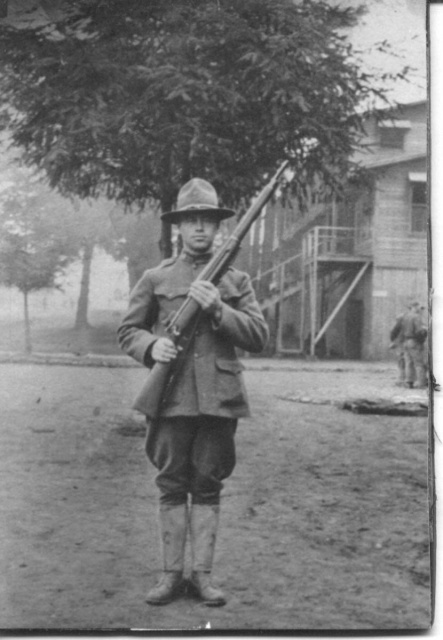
(392, 133)
(419, 207)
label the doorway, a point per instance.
(354, 329)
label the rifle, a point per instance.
(181, 327)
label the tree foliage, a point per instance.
(131, 99)
(41, 233)
(34, 249)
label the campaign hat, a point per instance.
(197, 195)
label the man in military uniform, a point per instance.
(410, 328)
(397, 344)
(192, 442)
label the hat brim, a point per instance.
(174, 217)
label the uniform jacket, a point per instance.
(409, 326)
(397, 331)
(211, 381)
(412, 325)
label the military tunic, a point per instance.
(211, 381)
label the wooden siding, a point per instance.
(407, 253)
(394, 244)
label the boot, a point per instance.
(173, 527)
(211, 596)
(167, 588)
(204, 523)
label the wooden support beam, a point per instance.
(303, 295)
(281, 298)
(314, 279)
(340, 304)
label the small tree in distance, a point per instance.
(131, 99)
(32, 252)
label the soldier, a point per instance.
(423, 338)
(414, 335)
(397, 344)
(192, 442)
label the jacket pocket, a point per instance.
(169, 301)
(229, 366)
(229, 389)
(170, 294)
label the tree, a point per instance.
(130, 99)
(42, 233)
(33, 251)
(137, 234)
(88, 226)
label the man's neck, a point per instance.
(196, 256)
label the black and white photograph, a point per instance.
(216, 347)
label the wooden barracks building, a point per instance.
(332, 280)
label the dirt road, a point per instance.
(324, 522)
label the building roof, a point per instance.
(390, 160)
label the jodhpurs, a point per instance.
(193, 455)
(415, 362)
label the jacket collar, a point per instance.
(196, 259)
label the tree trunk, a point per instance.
(28, 343)
(81, 318)
(167, 202)
(133, 274)
(165, 243)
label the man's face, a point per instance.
(198, 231)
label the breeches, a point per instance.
(193, 455)
(415, 362)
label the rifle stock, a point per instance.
(162, 376)
(149, 399)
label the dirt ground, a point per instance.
(325, 521)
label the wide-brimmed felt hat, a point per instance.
(197, 195)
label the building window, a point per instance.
(419, 208)
(392, 133)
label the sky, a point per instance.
(403, 24)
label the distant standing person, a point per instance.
(398, 345)
(192, 442)
(414, 335)
(424, 340)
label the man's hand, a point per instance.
(208, 297)
(164, 350)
